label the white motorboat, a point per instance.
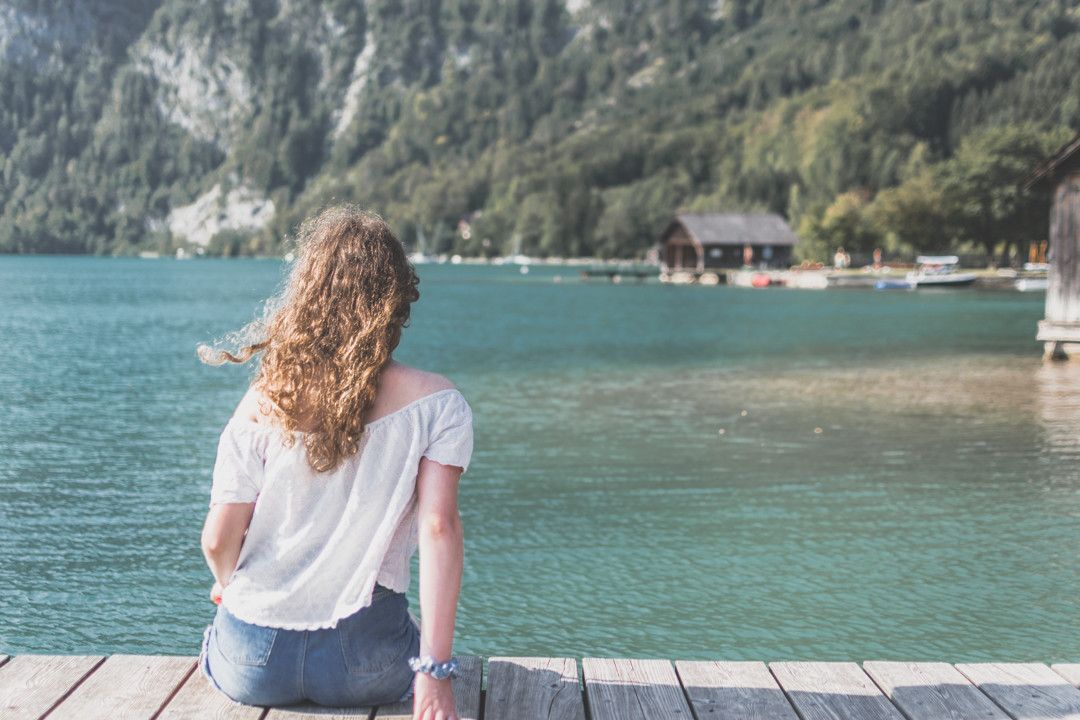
(939, 271)
(1033, 278)
(1031, 284)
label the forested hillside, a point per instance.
(555, 128)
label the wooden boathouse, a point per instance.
(1060, 175)
(699, 243)
(157, 687)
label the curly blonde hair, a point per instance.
(328, 335)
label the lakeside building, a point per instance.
(698, 243)
(1060, 174)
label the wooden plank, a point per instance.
(733, 690)
(197, 698)
(310, 711)
(1026, 690)
(524, 688)
(1063, 293)
(833, 691)
(466, 694)
(30, 685)
(126, 686)
(932, 691)
(1069, 671)
(631, 689)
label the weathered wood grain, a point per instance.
(631, 689)
(733, 690)
(197, 698)
(125, 686)
(932, 691)
(1069, 671)
(171, 688)
(310, 711)
(1026, 690)
(466, 694)
(1063, 293)
(31, 684)
(528, 688)
(833, 691)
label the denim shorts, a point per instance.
(363, 661)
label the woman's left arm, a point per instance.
(227, 522)
(223, 536)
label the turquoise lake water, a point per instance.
(660, 471)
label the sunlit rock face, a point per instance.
(199, 87)
(212, 85)
(357, 82)
(240, 208)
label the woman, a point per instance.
(337, 465)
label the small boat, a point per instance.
(894, 285)
(1031, 284)
(1033, 278)
(939, 271)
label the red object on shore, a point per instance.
(760, 280)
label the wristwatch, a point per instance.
(437, 670)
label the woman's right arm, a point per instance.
(441, 545)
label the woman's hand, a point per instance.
(215, 593)
(434, 699)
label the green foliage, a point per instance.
(904, 125)
(974, 198)
(983, 200)
(845, 223)
(232, 243)
(913, 217)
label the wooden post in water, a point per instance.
(1060, 329)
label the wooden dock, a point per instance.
(157, 687)
(616, 275)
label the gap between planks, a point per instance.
(165, 688)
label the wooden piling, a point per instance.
(1060, 329)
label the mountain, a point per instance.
(573, 128)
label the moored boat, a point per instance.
(1033, 278)
(895, 284)
(1031, 284)
(939, 271)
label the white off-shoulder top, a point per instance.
(318, 542)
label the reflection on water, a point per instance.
(659, 471)
(1057, 390)
(906, 509)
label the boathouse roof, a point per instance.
(1066, 159)
(734, 229)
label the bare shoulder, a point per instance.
(254, 406)
(401, 385)
(409, 383)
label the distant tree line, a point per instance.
(905, 125)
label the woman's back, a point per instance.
(319, 541)
(322, 490)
